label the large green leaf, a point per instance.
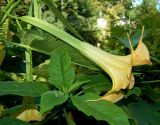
(50, 4)
(61, 72)
(12, 121)
(51, 99)
(22, 88)
(100, 110)
(144, 114)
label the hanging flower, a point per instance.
(118, 67)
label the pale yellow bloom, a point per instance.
(121, 75)
(30, 115)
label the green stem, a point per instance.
(8, 5)
(37, 9)
(146, 82)
(30, 13)
(27, 47)
(152, 71)
(29, 68)
(18, 25)
(156, 60)
(69, 118)
(28, 55)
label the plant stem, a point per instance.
(69, 117)
(156, 60)
(37, 9)
(28, 55)
(18, 25)
(153, 81)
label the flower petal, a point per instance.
(113, 97)
(30, 115)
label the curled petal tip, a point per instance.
(113, 97)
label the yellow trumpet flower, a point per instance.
(118, 67)
(122, 77)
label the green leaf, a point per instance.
(136, 91)
(58, 14)
(51, 99)
(98, 83)
(16, 110)
(77, 85)
(12, 121)
(144, 114)
(134, 39)
(100, 110)
(42, 69)
(149, 92)
(27, 36)
(22, 88)
(61, 72)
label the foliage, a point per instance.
(61, 72)
(101, 108)
(22, 89)
(136, 112)
(41, 72)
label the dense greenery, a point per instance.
(46, 79)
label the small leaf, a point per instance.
(61, 72)
(27, 36)
(41, 69)
(98, 83)
(77, 85)
(136, 91)
(100, 110)
(12, 121)
(51, 99)
(22, 88)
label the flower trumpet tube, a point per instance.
(118, 67)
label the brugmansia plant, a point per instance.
(118, 67)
